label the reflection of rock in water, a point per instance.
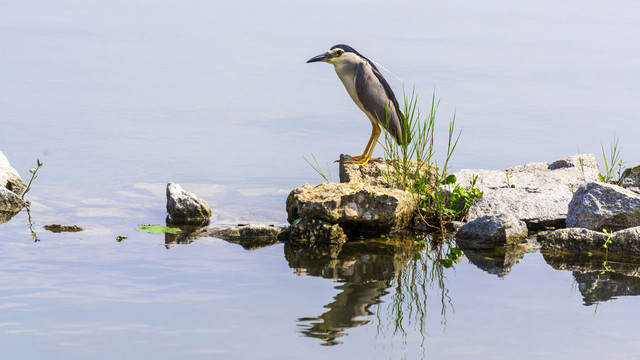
(620, 277)
(498, 261)
(351, 304)
(366, 267)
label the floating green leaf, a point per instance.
(157, 229)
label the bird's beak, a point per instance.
(322, 57)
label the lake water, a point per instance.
(118, 98)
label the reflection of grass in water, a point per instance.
(413, 287)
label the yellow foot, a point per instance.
(362, 160)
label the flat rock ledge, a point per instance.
(185, 207)
(541, 193)
(579, 240)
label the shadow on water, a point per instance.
(599, 277)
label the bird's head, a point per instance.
(337, 55)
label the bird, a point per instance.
(371, 93)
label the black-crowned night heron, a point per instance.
(371, 92)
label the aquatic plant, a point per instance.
(157, 229)
(413, 166)
(34, 175)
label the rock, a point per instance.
(453, 226)
(57, 228)
(250, 237)
(598, 206)
(185, 207)
(9, 177)
(9, 201)
(5, 216)
(374, 173)
(492, 231)
(630, 179)
(626, 242)
(314, 231)
(357, 208)
(541, 194)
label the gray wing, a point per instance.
(377, 98)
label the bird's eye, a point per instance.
(339, 52)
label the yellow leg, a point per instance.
(368, 150)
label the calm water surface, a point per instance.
(119, 98)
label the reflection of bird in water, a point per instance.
(346, 312)
(371, 92)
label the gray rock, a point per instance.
(492, 231)
(355, 207)
(541, 194)
(185, 207)
(9, 201)
(9, 177)
(624, 242)
(598, 206)
(630, 179)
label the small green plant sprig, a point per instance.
(509, 175)
(613, 163)
(316, 166)
(34, 175)
(412, 166)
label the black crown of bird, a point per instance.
(371, 93)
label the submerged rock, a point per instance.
(541, 192)
(492, 231)
(9, 177)
(357, 208)
(57, 228)
(598, 206)
(185, 207)
(581, 240)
